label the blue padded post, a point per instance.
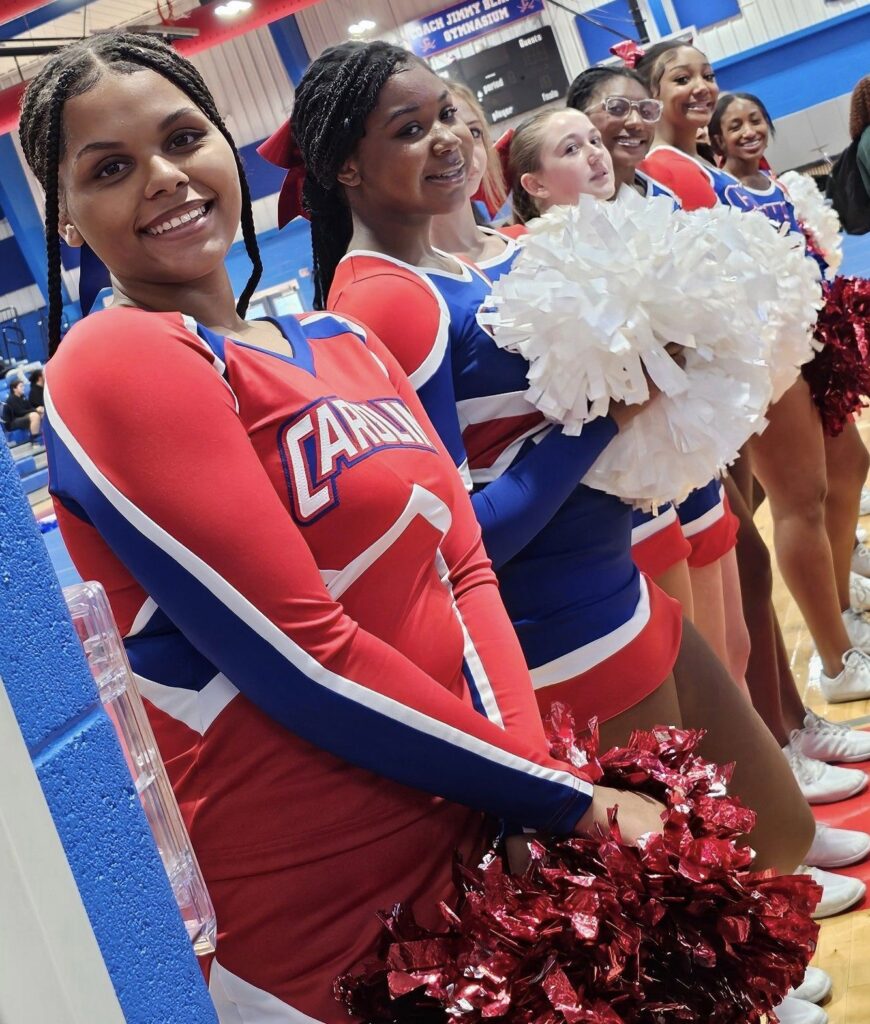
(87, 784)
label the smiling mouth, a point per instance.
(457, 174)
(630, 142)
(173, 223)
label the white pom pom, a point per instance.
(816, 216)
(600, 289)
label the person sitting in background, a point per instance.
(37, 384)
(20, 413)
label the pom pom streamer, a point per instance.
(839, 375)
(817, 217)
(599, 932)
(598, 292)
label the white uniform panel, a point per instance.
(765, 20)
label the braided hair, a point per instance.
(73, 71)
(335, 96)
(585, 86)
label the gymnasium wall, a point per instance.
(801, 56)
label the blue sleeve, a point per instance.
(515, 508)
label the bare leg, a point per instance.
(762, 778)
(848, 463)
(676, 582)
(795, 487)
(661, 707)
(763, 671)
(736, 631)
(35, 423)
(708, 599)
(791, 702)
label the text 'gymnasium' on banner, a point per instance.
(463, 22)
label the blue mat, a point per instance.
(856, 255)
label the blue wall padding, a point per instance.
(15, 272)
(803, 68)
(285, 253)
(264, 179)
(87, 784)
(24, 217)
(595, 36)
(291, 47)
(702, 13)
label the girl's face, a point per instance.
(627, 138)
(479, 156)
(573, 162)
(744, 133)
(147, 181)
(416, 154)
(687, 88)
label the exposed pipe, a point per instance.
(213, 31)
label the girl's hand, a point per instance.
(638, 814)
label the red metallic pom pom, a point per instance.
(598, 932)
(839, 375)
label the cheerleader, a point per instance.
(741, 128)
(384, 152)
(618, 103)
(658, 546)
(682, 78)
(333, 682)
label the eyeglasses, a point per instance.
(619, 107)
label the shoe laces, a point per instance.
(815, 723)
(857, 657)
(806, 769)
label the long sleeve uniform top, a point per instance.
(562, 550)
(302, 587)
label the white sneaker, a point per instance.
(815, 988)
(860, 534)
(837, 847)
(832, 741)
(822, 783)
(864, 507)
(859, 592)
(839, 892)
(799, 1011)
(861, 559)
(853, 682)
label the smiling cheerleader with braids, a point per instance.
(383, 152)
(336, 690)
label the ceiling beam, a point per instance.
(213, 31)
(19, 16)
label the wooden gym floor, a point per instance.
(844, 942)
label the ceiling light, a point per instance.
(232, 8)
(361, 27)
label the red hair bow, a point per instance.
(629, 51)
(281, 149)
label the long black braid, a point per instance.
(336, 95)
(585, 86)
(73, 71)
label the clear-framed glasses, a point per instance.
(649, 110)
